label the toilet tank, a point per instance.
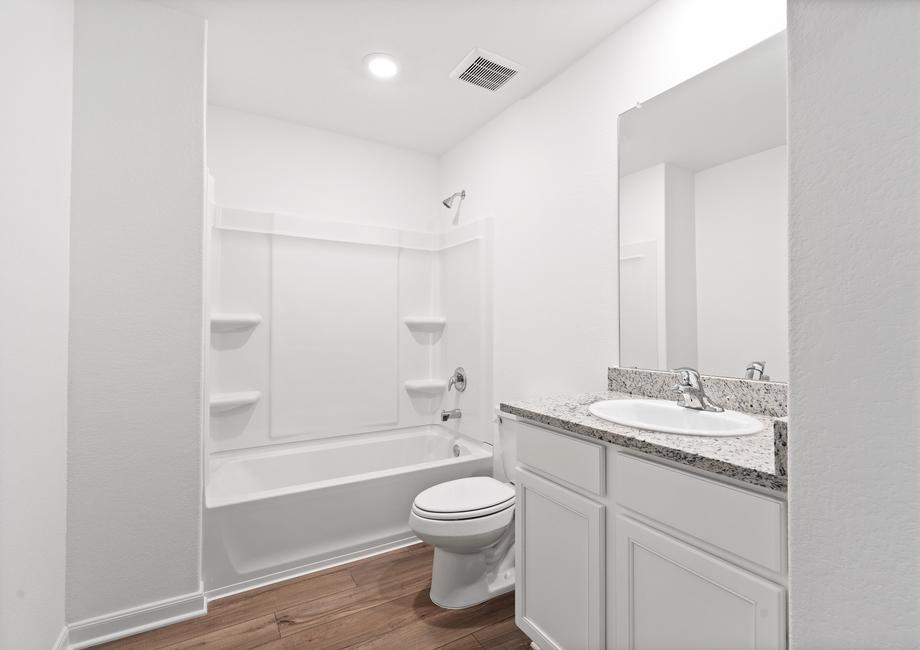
(506, 450)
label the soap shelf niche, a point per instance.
(426, 386)
(431, 324)
(223, 402)
(227, 322)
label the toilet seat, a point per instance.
(459, 516)
(465, 498)
(474, 533)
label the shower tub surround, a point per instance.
(758, 459)
(330, 347)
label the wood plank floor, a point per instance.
(380, 602)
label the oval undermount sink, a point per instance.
(668, 417)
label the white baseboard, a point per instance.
(127, 622)
(62, 641)
(135, 620)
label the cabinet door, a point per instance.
(560, 566)
(671, 595)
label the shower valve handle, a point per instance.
(457, 379)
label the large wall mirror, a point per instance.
(703, 222)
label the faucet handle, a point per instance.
(755, 370)
(688, 377)
(458, 380)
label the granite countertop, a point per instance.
(757, 459)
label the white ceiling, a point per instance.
(302, 60)
(732, 110)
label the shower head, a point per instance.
(449, 201)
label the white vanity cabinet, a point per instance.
(616, 549)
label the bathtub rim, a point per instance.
(478, 451)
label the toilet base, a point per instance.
(460, 580)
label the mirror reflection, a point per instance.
(703, 222)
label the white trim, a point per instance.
(62, 640)
(289, 225)
(274, 223)
(313, 567)
(127, 622)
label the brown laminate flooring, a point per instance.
(380, 602)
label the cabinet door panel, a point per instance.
(560, 566)
(671, 595)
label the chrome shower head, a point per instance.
(449, 201)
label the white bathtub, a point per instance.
(275, 513)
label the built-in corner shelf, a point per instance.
(225, 322)
(426, 323)
(222, 402)
(426, 386)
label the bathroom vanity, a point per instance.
(628, 538)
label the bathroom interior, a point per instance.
(428, 324)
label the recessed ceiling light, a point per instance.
(382, 66)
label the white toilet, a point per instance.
(470, 523)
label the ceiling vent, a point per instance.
(485, 69)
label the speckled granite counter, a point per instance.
(757, 459)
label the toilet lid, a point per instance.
(465, 495)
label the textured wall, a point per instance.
(854, 430)
(36, 66)
(134, 456)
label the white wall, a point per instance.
(546, 170)
(36, 63)
(742, 265)
(134, 460)
(642, 290)
(260, 163)
(680, 267)
(642, 203)
(854, 442)
(657, 238)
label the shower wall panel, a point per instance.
(333, 338)
(331, 351)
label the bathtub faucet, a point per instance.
(451, 415)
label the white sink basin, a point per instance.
(668, 417)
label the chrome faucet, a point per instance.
(453, 414)
(690, 393)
